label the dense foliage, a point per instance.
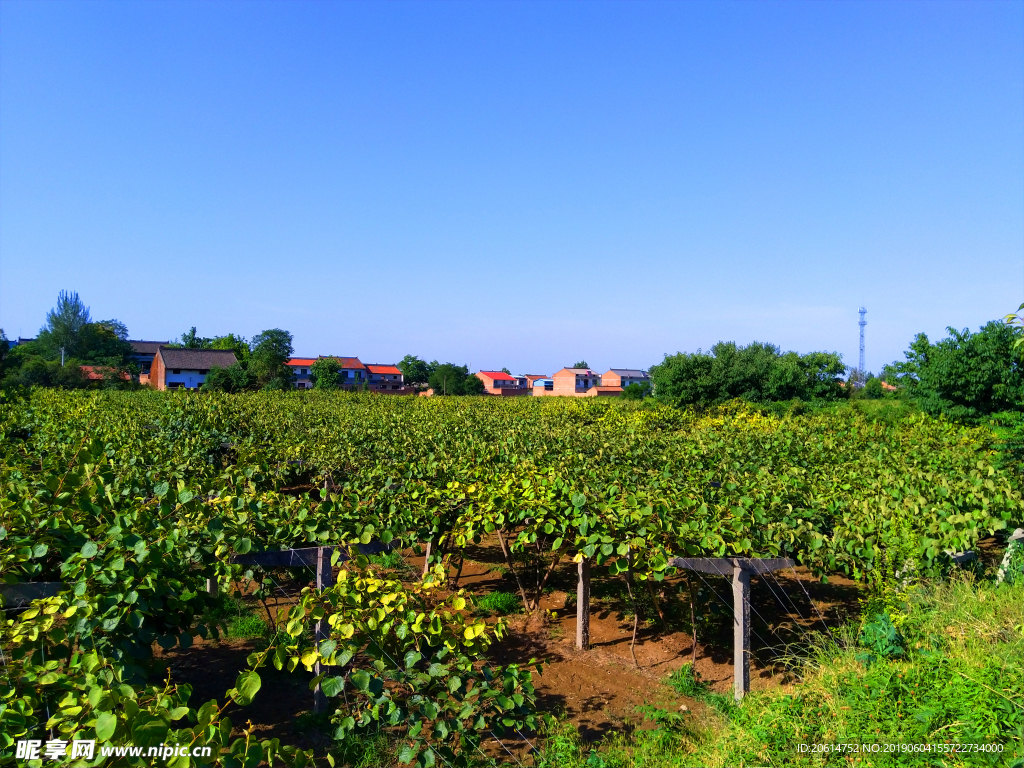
(757, 373)
(449, 379)
(68, 340)
(965, 376)
(134, 500)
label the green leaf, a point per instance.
(149, 731)
(106, 724)
(160, 489)
(243, 546)
(360, 679)
(327, 647)
(185, 496)
(246, 687)
(407, 753)
(89, 549)
(332, 686)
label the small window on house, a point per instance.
(176, 370)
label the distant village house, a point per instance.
(186, 368)
(503, 384)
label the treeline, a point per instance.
(966, 376)
(757, 373)
(69, 340)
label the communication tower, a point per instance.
(861, 364)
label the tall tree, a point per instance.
(964, 376)
(64, 324)
(236, 344)
(448, 379)
(581, 364)
(191, 340)
(416, 371)
(267, 362)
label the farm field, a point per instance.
(452, 642)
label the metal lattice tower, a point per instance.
(862, 323)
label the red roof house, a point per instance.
(502, 384)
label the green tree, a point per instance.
(64, 325)
(506, 370)
(325, 373)
(191, 340)
(416, 371)
(236, 344)
(267, 362)
(235, 378)
(636, 391)
(449, 379)
(581, 364)
(757, 372)
(964, 376)
(473, 385)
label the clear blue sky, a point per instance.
(515, 184)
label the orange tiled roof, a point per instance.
(303, 361)
(372, 368)
(346, 362)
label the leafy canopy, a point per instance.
(325, 373)
(267, 363)
(451, 379)
(757, 373)
(416, 371)
(964, 376)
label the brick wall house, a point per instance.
(502, 384)
(186, 368)
(571, 382)
(623, 377)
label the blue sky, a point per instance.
(515, 184)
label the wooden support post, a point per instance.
(741, 631)
(211, 586)
(740, 569)
(324, 579)
(583, 606)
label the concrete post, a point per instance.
(583, 606)
(426, 558)
(741, 630)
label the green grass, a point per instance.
(240, 620)
(957, 679)
(392, 560)
(501, 603)
(686, 682)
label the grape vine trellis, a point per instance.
(135, 500)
